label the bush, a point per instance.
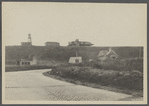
(23, 68)
(123, 79)
(120, 65)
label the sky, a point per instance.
(103, 24)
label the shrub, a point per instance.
(122, 79)
(23, 68)
(120, 65)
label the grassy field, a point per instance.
(135, 93)
(120, 64)
(15, 68)
(64, 53)
(125, 73)
(128, 78)
(124, 76)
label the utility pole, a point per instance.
(140, 53)
(76, 54)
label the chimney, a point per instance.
(76, 54)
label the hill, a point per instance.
(64, 53)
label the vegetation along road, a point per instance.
(33, 85)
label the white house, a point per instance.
(107, 54)
(75, 60)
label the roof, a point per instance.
(112, 53)
(80, 43)
(103, 53)
(75, 57)
(106, 53)
(51, 42)
(25, 60)
(26, 43)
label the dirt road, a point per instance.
(33, 85)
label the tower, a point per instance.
(29, 38)
(29, 43)
(76, 54)
(77, 42)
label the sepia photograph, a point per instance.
(74, 53)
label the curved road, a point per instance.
(32, 85)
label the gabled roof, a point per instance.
(73, 58)
(102, 53)
(106, 53)
(112, 53)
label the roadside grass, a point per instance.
(124, 77)
(120, 64)
(96, 85)
(24, 68)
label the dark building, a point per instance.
(52, 44)
(79, 43)
(24, 62)
(26, 43)
(29, 43)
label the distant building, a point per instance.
(75, 60)
(79, 43)
(29, 43)
(23, 62)
(107, 54)
(26, 62)
(26, 43)
(52, 44)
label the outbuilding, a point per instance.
(26, 62)
(52, 44)
(75, 60)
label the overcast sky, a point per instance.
(102, 24)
